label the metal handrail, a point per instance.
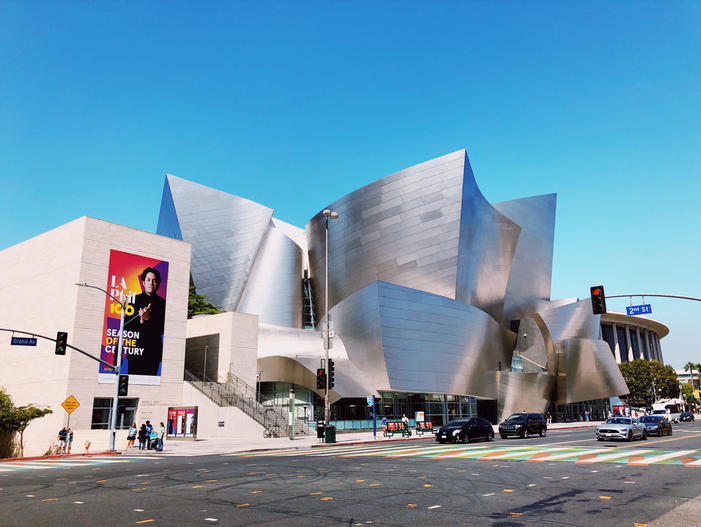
(233, 391)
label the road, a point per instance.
(567, 478)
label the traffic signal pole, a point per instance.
(118, 367)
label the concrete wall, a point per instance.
(236, 424)
(238, 342)
(37, 293)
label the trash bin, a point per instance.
(320, 429)
(330, 434)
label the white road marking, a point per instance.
(138, 510)
(624, 453)
(490, 494)
(576, 453)
(78, 502)
(532, 485)
(211, 520)
(30, 496)
(663, 457)
(434, 506)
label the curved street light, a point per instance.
(327, 341)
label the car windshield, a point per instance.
(618, 421)
(650, 419)
(456, 423)
(517, 418)
(659, 411)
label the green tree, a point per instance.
(16, 419)
(688, 393)
(649, 380)
(199, 305)
(690, 366)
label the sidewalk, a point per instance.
(205, 447)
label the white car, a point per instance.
(621, 428)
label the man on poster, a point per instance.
(149, 320)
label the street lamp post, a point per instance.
(327, 340)
(117, 367)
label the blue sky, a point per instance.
(295, 104)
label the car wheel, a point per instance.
(503, 436)
(490, 437)
(466, 438)
(543, 432)
(630, 435)
(645, 435)
(599, 438)
(441, 441)
(526, 433)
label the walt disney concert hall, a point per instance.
(439, 300)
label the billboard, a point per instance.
(143, 283)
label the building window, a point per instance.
(607, 332)
(102, 412)
(622, 343)
(634, 342)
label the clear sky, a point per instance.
(295, 104)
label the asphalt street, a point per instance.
(567, 478)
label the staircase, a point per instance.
(308, 307)
(232, 391)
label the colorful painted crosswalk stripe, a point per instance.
(491, 452)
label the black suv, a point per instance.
(523, 425)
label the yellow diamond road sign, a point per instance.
(70, 404)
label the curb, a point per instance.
(57, 456)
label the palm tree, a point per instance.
(690, 366)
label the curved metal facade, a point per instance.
(426, 282)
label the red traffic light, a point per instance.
(596, 292)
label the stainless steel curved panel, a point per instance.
(402, 229)
(274, 287)
(425, 342)
(225, 232)
(523, 392)
(587, 370)
(531, 269)
(573, 320)
(487, 246)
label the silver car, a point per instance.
(621, 428)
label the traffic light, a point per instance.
(331, 372)
(320, 378)
(123, 385)
(61, 342)
(598, 299)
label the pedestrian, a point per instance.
(384, 425)
(143, 436)
(62, 435)
(131, 436)
(149, 429)
(69, 439)
(549, 417)
(161, 435)
(586, 415)
(405, 422)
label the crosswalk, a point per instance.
(488, 451)
(40, 464)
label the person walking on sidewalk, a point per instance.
(405, 422)
(62, 435)
(131, 437)
(143, 437)
(149, 429)
(161, 435)
(69, 439)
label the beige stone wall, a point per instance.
(238, 342)
(37, 293)
(236, 423)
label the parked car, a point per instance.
(686, 416)
(621, 428)
(465, 430)
(656, 425)
(523, 425)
